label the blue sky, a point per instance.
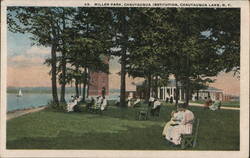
(17, 43)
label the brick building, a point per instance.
(99, 84)
(99, 81)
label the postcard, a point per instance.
(124, 78)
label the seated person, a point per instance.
(92, 103)
(104, 103)
(98, 102)
(167, 99)
(136, 103)
(156, 104)
(184, 127)
(176, 118)
(208, 102)
(79, 98)
(71, 104)
(72, 99)
(171, 100)
(216, 105)
(151, 101)
(129, 101)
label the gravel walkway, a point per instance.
(18, 113)
(222, 107)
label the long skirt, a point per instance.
(175, 132)
(166, 128)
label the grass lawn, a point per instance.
(223, 103)
(117, 129)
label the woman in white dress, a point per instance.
(176, 119)
(215, 105)
(185, 127)
(71, 105)
(104, 104)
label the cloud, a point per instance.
(28, 76)
(38, 51)
(34, 56)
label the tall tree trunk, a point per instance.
(187, 80)
(148, 88)
(156, 87)
(123, 60)
(53, 75)
(88, 83)
(123, 80)
(84, 84)
(187, 92)
(76, 88)
(176, 90)
(76, 83)
(197, 94)
(80, 89)
(63, 82)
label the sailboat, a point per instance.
(19, 93)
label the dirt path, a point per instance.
(222, 107)
(18, 113)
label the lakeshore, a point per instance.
(21, 112)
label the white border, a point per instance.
(244, 91)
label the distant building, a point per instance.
(99, 84)
(228, 97)
(169, 91)
(163, 92)
(205, 93)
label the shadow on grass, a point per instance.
(124, 140)
(130, 113)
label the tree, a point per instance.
(42, 24)
(92, 41)
(121, 27)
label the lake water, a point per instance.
(29, 100)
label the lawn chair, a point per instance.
(190, 140)
(219, 107)
(142, 113)
(156, 111)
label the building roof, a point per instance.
(171, 83)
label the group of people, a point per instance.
(130, 103)
(181, 122)
(73, 102)
(209, 104)
(155, 104)
(99, 102)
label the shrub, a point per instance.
(58, 107)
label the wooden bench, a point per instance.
(190, 140)
(156, 111)
(141, 115)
